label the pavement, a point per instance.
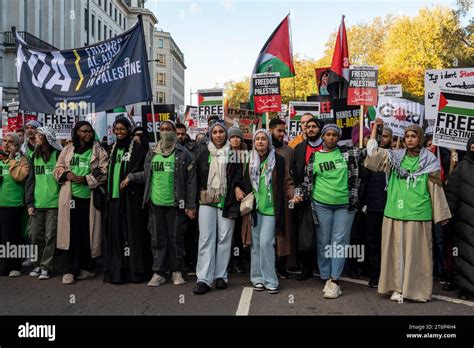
(27, 296)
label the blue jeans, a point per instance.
(332, 233)
(262, 265)
(213, 260)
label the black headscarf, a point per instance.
(125, 142)
(75, 138)
(470, 153)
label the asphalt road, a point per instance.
(30, 296)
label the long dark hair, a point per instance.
(44, 151)
(75, 138)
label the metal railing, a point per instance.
(9, 40)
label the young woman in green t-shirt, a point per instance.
(13, 172)
(81, 167)
(415, 198)
(334, 174)
(269, 180)
(42, 194)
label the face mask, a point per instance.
(168, 139)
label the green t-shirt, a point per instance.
(116, 178)
(264, 196)
(29, 152)
(331, 185)
(11, 192)
(162, 180)
(80, 165)
(405, 201)
(221, 203)
(46, 187)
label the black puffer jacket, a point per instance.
(460, 195)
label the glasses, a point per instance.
(87, 131)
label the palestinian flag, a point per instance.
(458, 104)
(210, 97)
(338, 81)
(276, 55)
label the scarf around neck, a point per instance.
(428, 164)
(217, 178)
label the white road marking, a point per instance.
(244, 303)
(438, 297)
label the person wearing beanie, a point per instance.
(332, 183)
(42, 194)
(303, 211)
(415, 198)
(215, 230)
(268, 178)
(28, 147)
(285, 245)
(124, 220)
(356, 135)
(238, 159)
(81, 168)
(14, 171)
(460, 195)
(169, 177)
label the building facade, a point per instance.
(169, 71)
(65, 24)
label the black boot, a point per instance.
(307, 263)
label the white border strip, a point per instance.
(244, 303)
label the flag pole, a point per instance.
(292, 55)
(361, 127)
(340, 33)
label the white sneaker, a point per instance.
(36, 272)
(326, 286)
(333, 291)
(396, 296)
(156, 280)
(44, 274)
(68, 278)
(14, 274)
(177, 278)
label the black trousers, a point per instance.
(167, 226)
(10, 232)
(374, 242)
(79, 253)
(191, 240)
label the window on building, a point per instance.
(105, 6)
(161, 97)
(162, 79)
(124, 23)
(100, 2)
(110, 10)
(93, 25)
(99, 28)
(161, 59)
(110, 33)
(105, 32)
(115, 14)
(160, 43)
(86, 19)
(120, 18)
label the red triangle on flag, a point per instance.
(442, 101)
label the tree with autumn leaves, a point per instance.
(402, 47)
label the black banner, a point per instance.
(163, 112)
(84, 80)
(345, 116)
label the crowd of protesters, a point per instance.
(221, 203)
